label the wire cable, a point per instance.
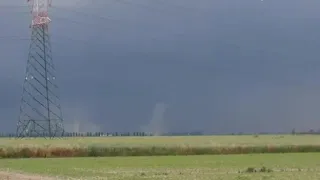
(12, 6)
(80, 23)
(164, 10)
(19, 38)
(14, 38)
(178, 6)
(83, 13)
(117, 21)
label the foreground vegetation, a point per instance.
(155, 146)
(193, 141)
(29, 152)
(233, 167)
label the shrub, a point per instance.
(261, 170)
(250, 170)
(99, 151)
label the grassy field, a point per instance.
(232, 167)
(193, 141)
(293, 166)
(155, 146)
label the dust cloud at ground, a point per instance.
(157, 125)
(79, 119)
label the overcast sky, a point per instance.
(178, 65)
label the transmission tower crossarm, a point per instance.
(39, 11)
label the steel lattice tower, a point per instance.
(40, 110)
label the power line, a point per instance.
(95, 16)
(79, 22)
(19, 38)
(105, 17)
(6, 9)
(123, 22)
(74, 21)
(12, 6)
(175, 7)
(165, 11)
(141, 5)
(14, 38)
(83, 13)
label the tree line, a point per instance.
(103, 134)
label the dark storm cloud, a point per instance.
(217, 66)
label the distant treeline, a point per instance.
(101, 134)
(104, 134)
(85, 134)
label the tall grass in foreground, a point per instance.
(95, 151)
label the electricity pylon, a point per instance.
(40, 110)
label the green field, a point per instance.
(282, 167)
(293, 166)
(193, 141)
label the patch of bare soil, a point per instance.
(6, 175)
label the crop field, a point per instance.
(250, 157)
(163, 141)
(231, 167)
